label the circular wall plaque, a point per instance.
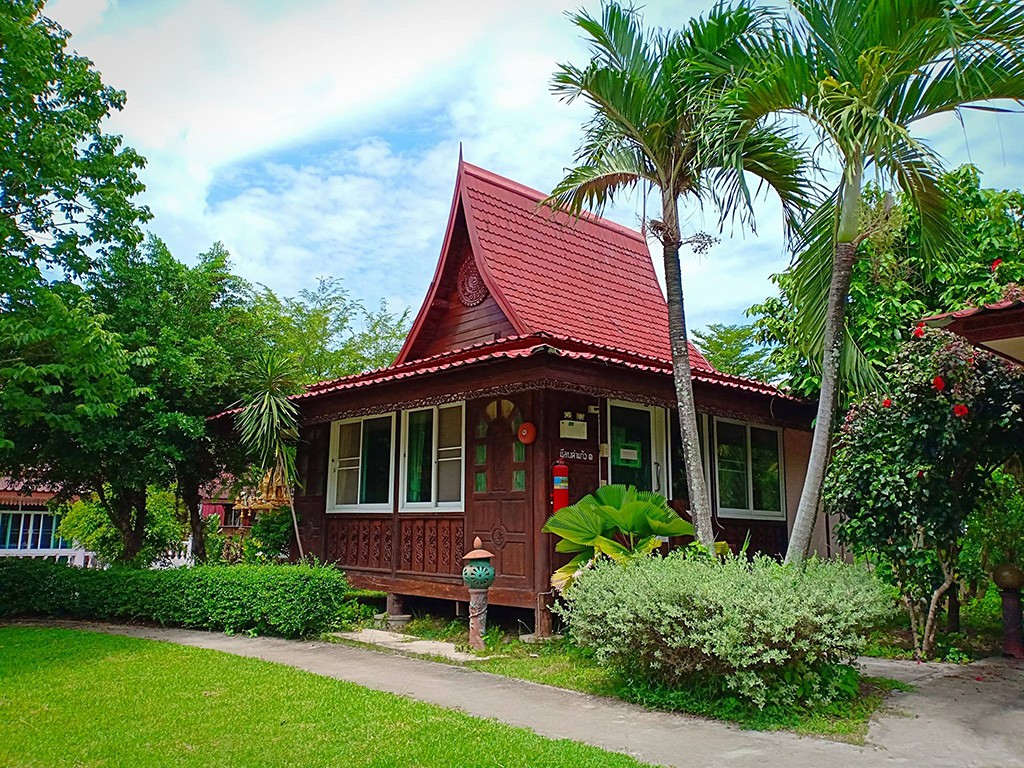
(471, 284)
(527, 433)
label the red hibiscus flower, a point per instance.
(960, 410)
(920, 474)
(996, 263)
(887, 403)
(939, 383)
(919, 331)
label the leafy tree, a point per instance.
(66, 190)
(735, 349)
(188, 332)
(894, 284)
(863, 73)
(912, 465)
(331, 335)
(87, 523)
(656, 124)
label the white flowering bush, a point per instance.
(757, 630)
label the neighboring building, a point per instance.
(996, 327)
(541, 339)
(28, 528)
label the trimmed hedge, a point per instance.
(759, 631)
(287, 600)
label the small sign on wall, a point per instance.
(570, 429)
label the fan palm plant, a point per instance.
(864, 73)
(268, 424)
(616, 521)
(657, 124)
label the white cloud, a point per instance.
(321, 137)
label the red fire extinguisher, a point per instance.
(559, 486)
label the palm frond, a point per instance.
(592, 187)
(268, 420)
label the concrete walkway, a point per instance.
(964, 716)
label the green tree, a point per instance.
(66, 190)
(188, 332)
(863, 73)
(331, 335)
(735, 349)
(912, 465)
(656, 125)
(894, 284)
(87, 523)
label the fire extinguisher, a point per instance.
(559, 486)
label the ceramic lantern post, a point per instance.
(478, 575)
(1010, 579)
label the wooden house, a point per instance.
(542, 339)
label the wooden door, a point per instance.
(499, 508)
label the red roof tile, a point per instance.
(947, 317)
(526, 346)
(588, 278)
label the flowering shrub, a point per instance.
(760, 630)
(910, 467)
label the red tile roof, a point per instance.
(527, 346)
(588, 279)
(946, 318)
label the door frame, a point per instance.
(659, 443)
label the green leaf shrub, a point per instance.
(289, 600)
(757, 631)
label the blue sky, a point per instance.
(321, 138)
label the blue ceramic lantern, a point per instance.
(477, 569)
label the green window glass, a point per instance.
(375, 469)
(519, 480)
(420, 457)
(480, 482)
(764, 469)
(518, 451)
(732, 465)
(481, 454)
(631, 447)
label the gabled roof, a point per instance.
(588, 278)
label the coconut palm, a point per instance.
(657, 124)
(268, 424)
(864, 73)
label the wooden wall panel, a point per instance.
(360, 542)
(431, 544)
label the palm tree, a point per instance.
(268, 423)
(864, 73)
(657, 124)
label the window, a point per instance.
(29, 530)
(637, 446)
(361, 463)
(678, 469)
(432, 471)
(232, 516)
(748, 463)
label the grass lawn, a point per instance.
(87, 699)
(562, 664)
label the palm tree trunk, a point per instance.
(700, 504)
(295, 517)
(832, 348)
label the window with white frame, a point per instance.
(748, 466)
(432, 457)
(30, 530)
(362, 463)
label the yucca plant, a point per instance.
(268, 423)
(616, 521)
